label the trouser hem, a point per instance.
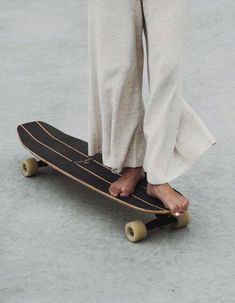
(155, 180)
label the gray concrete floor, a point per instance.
(60, 242)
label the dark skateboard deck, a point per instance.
(69, 156)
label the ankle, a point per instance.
(132, 169)
(160, 187)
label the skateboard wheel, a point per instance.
(181, 221)
(29, 167)
(135, 231)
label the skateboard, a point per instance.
(69, 156)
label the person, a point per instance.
(165, 137)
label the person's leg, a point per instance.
(115, 106)
(175, 136)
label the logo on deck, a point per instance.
(85, 161)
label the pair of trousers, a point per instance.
(166, 136)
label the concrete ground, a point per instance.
(60, 242)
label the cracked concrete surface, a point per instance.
(60, 242)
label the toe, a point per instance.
(175, 211)
(184, 203)
(181, 207)
(114, 194)
(125, 192)
(114, 191)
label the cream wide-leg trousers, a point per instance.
(167, 136)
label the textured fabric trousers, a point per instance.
(166, 136)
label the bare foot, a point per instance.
(175, 202)
(125, 185)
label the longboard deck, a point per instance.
(69, 156)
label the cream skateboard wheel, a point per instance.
(29, 167)
(181, 221)
(135, 231)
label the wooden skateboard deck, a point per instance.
(69, 156)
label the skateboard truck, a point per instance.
(41, 163)
(160, 221)
(137, 230)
